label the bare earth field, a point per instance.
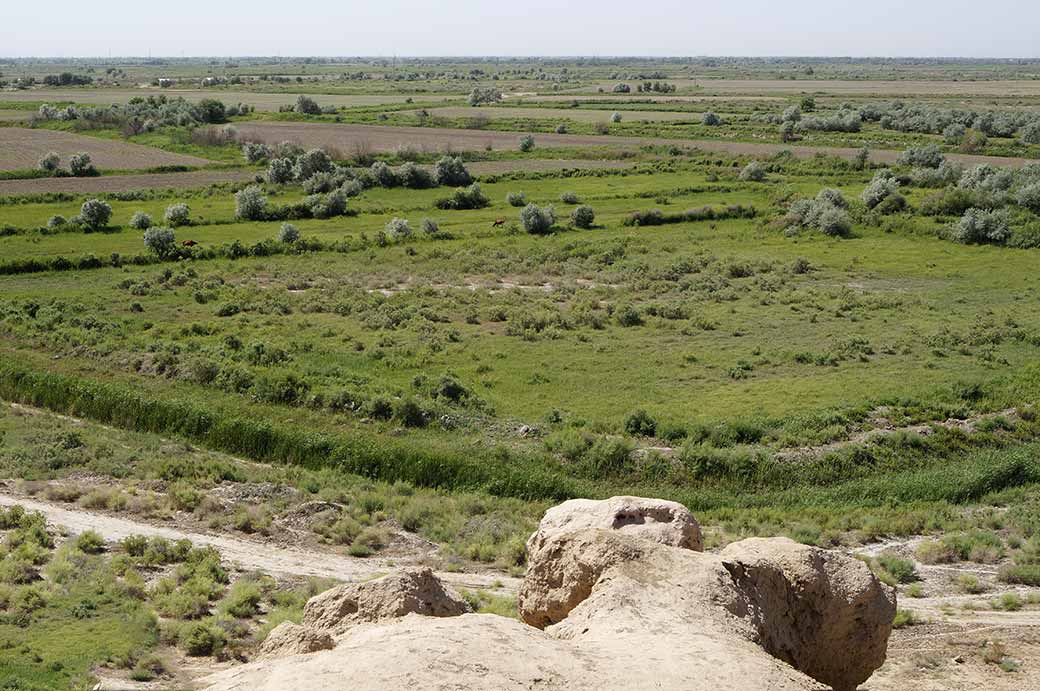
(916, 88)
(22, 148)
(381, 138)
(14, 115)
(122, 183)
(561, 114)
(261, 101)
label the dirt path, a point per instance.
(248, 554)
(348, 139)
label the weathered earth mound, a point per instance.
(611, 599)
(292, 639)
(411, 591)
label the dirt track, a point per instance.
(347, 139)
(248, 554)
(21, 148)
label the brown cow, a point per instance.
(498, 222)
(189, 243)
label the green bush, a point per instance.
(640, 424)
(202, 639)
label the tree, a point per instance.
(1031, 133)
(81, 166)
(622, 88)
(615, 117)
(711, 119)
(1029, 197)
(880, 188)
(384, 175)
(161, 241)
(415, 177)
(288, 233)
(94, 214)
(50, 162)
(517, 199)
(788, 131)
(484, 95)
(450, 171)
(140, 221)
(306, 105)
(792, 114)
(808, 104)
(536, 219)
(211, 111)
(583, 216)
(251, 204)
(526, 143)
(177, 214)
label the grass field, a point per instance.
(367, 357)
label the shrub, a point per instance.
(753, 172)
(415, 177)
(640, 424)
(398, 229)
(982, 226)
(94, 214)
(383, 175)
(953, 133)
(429, 227)
(583, 216)
(201, 639)
(516, 199)
(569, 198)
(161, 241)
(1031, 133)
(536, 219)
(615, 117)
(251, 204)
(928, 156)
(81, 166)
(90, 542)
(561, 129)
(471, 197)
(788, 132)
(242, 600)
(288, 233)
(327, 205)
(835, 223)
(526, 143)
(902, 570)
(622, 88)
(50, 162)
(450, 171)
(177, 214)
(792, 114)
(879, 189)
(711, 119)
(1029, 197)
(280, 171)
(56, 221)
(256, 152)
(312, 162)
(307, 106)
(140, 221)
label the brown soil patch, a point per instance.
(562, 114)
(22, 148)
(122, 183)
(865, 87)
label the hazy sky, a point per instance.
(963, 28)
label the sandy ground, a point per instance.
(350, 138)
(21, 148)
(854, 87)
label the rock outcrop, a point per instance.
(411, 591)
(611, 599)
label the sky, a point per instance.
(904, 28)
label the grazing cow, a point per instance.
(498, 222)
(189, 243)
